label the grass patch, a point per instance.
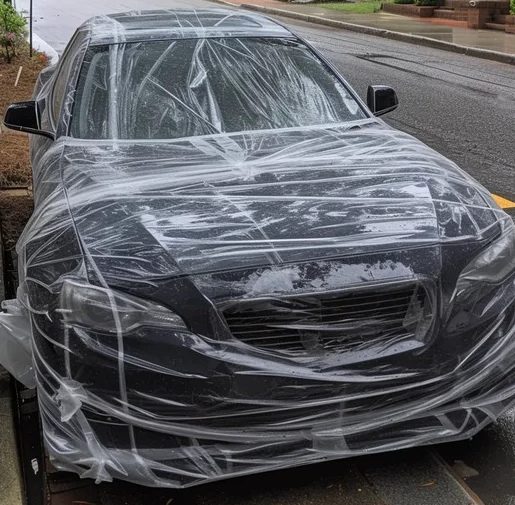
(359, 7)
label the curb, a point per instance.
(404, 37)
(11, 487)
(476, 500)
(43, 47)
(38, 43)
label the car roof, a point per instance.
(137, 26)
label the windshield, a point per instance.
(184, 88)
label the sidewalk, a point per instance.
(433, 28)
(10, 487)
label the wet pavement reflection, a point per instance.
(486, 462)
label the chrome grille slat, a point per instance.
(325, 319)
(249, 320)
(287, 310)
(326, 322)
(328, 313)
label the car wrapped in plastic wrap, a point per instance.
(233, 266)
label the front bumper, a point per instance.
(178, 410)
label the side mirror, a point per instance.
(381, 99)
(24, 117)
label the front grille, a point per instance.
(331, 322)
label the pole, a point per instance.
(30, 29)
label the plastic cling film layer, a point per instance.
(232, 267)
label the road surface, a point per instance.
(462, 106)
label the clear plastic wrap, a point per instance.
(15, 342)
(229, 301)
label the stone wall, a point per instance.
(409, 10)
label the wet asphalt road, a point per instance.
(464, 107)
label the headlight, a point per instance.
(485, 287)
(110, 311)
(492, 266)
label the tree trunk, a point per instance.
(7, 53)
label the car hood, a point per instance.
(246, 200)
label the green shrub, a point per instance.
(403, 1)
(512, 5)
(427, 3)
(12, 30)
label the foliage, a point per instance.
(427, 3)
(12, 30)
(359, 7)
(512, 6)
(404, 1)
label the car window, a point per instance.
(183, 88)
(63, 76)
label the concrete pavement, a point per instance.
(10, 488)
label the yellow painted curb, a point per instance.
(503, 202)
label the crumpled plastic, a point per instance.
(200, 299)
(15, 342)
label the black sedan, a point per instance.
(233, 266)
